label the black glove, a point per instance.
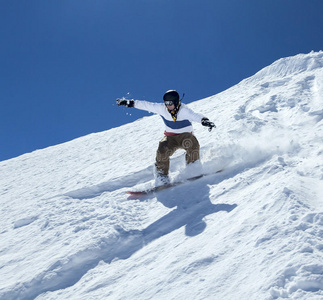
(206, 122)
(125, 102)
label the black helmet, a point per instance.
(173, 96)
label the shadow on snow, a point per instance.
(191, 203)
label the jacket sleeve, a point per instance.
(156, 108)
(191, 115)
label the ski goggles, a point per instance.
(169, 103)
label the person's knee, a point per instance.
(190, 142)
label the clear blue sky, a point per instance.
(64, 62)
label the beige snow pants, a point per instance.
(169, 144)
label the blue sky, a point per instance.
(64, 62)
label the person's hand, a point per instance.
(125, 102)
(206, 122)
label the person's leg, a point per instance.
(167, 147)
(191, 145)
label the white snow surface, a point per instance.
(254, 231)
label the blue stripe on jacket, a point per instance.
(176, 124)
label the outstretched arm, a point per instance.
(192, 116)
(156, 108)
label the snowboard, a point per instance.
(166, 186)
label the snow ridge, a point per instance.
(293, 65)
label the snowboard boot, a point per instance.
(161, 179)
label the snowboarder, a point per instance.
(178, 133)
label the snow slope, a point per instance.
(254, 231)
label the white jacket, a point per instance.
(184, 116)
